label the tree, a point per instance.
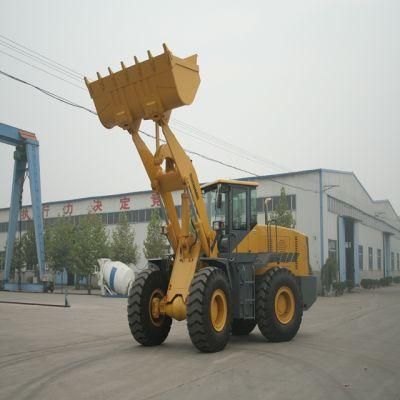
(282, 214)
(328, 274)
(155, 245)
(28, 249)
(60, 245)
(123, 247)
(90, 245)
(17, 259)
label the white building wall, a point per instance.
(306, 186)
(371, 238)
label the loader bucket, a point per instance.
(145, 90)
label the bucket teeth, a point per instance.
(123, 65)
(136, 60)
(98, 75)
(109, 70)
(149, 54)
(166, 49)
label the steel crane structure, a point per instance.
(26, 160)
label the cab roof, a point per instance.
(229, 182)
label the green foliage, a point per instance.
(17, 261)
(387, 281)
(123, 247)
(155, 245)
(382, 282)
(28, 249)
(59, 240)
(90, 244)
(282, 214)
(370, 283)
(328, 274)
(349, 285)
(339, 287)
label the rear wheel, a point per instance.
(279, 308)
(241, 327)
(148, 327)
(209, 310)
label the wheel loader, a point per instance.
(227, 273)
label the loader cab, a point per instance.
(232, 210)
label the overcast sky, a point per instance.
(294, 84)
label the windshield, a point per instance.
(214, 213)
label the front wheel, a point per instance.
(279, 308)
(147, 327)
(209, 310)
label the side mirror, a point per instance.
(267, 200)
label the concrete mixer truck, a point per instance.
(227, 273)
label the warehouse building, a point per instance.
(331, 207)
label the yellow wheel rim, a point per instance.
(154, 311)
(284, 305)
(218, 310)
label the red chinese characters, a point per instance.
(68, 209)
(97, 206)
(155, 200)
(124, 203)
(25, 214)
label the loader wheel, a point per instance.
(147, 327)
(279, 307)
(209, 310)
(241, 327)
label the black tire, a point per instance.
(241, 327)
(201, 330)
(144, 330)
(267, 319)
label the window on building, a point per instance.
(379, 258)
(332, 249)
(370, 257)
(360, 257)
(290, 198)
(392, 260)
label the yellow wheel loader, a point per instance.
(227, 273)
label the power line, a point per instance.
(40, 61)
(78, 74)
(237, 149)
(43, 70)
(181, 126)
(73, 104)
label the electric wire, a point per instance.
(40, 61)
(73, 104)
(181, 126)
(78, 74)
(43, 70)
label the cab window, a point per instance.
(239, 208)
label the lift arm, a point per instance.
(150, 90)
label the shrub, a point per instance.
(349, 285)
(328, 275)
(339, 288)
(396, 279)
